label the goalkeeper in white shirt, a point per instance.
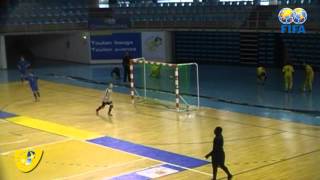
(106, 100)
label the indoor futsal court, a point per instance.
(139, 90)
(77, 144)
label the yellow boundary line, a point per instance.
(53, 128)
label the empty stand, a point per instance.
(209, 47)
(248, 48)
(28, 15)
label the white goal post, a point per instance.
(176, 67)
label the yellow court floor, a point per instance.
(64, 119)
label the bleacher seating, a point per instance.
(207, 46)
(225, 26)
(26, 13)
(190, 15)
(303, 48)
(206, 15)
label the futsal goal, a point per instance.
(174, 86)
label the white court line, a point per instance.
(45, 144)
(14, 142)
(3, 121)
(136, 170)
(189, 169)
(99, 169)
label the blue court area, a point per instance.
(173, 162)
(164, 156)
(232, 88)
(4, 115)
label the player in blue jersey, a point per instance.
(33, 83)
(23, 66)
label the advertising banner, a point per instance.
(153, 45)
(114, 46)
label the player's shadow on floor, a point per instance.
(106, 118)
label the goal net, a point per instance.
(174, 86)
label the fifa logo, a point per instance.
(298, 17)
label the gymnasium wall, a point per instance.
(68, 47)
(3, 56)
(17, 45)
(90, 48)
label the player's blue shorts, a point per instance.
(23, 73)
(34, 87)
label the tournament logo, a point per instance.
(153, 43)
(292, 20)
(27, 160)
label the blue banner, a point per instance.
(114, 46)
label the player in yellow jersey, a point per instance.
(261, 74)
(288, 71)
(309, 76)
